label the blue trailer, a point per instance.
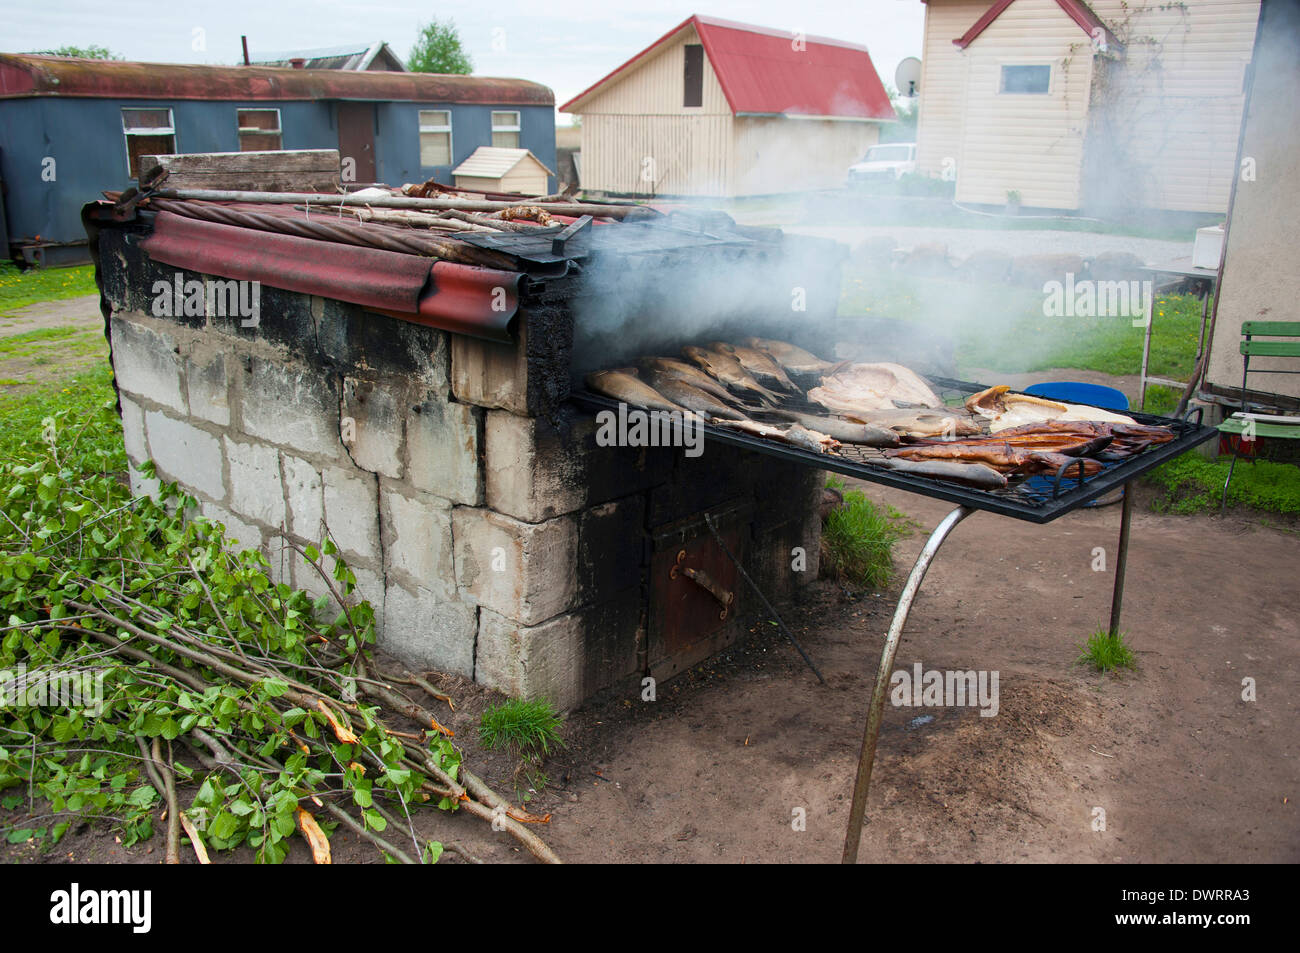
(71, 128)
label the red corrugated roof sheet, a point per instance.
(767, 72)
(62, 76)
(1076, 10)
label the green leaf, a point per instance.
(375, 821)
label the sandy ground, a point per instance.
(80, 312)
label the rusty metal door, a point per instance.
(357, 139)
(693, 591)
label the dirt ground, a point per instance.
(76, 342)
(714, 769)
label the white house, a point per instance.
(1105, 106)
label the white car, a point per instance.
(883, 164)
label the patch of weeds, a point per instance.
(529, 730)
(858, 539)
(1106, 652)
(1192, 484)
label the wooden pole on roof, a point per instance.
(627, 212)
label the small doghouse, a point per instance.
(496, 169)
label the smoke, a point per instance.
(712, 281)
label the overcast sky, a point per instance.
(564, 44)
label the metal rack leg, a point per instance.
(876, 711)
(1121, 559)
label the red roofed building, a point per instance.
(725, 109)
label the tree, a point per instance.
(907, 109)
(84, 52)
(438, 50)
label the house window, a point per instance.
(435, 137)
(694, 76)
(1026, 79)
(148, 132)
(505, 130)
(259, 129)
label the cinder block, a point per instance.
(491, 374)
(186, 454)
(256, 491)
(208, 388)
(239, 534)
(147, 363)
(566, 659)
(428, 633)
(291, 406)
(610, 546)
(534, 471)
(304, 494)
(133, 430)
(352, 511)
(140, 484)
(306, 577)
(524, 571)
(373, 424)
(531, 662)
(417, 541)
(443, 450)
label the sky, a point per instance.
(564, 44)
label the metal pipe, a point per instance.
(762, 598)
(402, 201)
(1121, 559)
(874, 714)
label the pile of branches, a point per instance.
(141, 656)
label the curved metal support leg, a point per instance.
(876, 711)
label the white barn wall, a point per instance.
(639, 116)
(774, 155)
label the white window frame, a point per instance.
(451, 141)
(128, 131)
(253, 130)
(516, 128)
(1051, 75)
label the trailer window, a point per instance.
(148, 132)
(693, 78)
(259, 130)
(505, 130)
(435, 137)
(1026, 79)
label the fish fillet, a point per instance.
(867, 387)
(1005, 409)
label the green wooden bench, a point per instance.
(1249, 425)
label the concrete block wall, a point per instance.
(491, 534)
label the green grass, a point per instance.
(916, 203)
(21, 288)
(1106, 652)
(858, 539)
(1003, 328)
(530, 729)
(1193, 484)
(84, 402)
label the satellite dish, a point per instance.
(907, 78)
